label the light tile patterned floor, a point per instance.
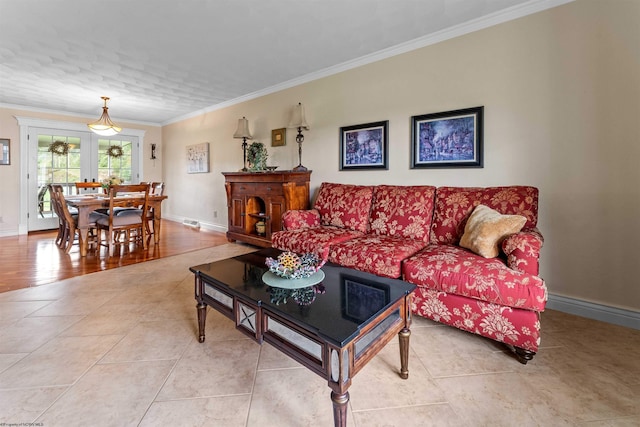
(119, 348)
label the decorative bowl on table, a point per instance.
(294, 271)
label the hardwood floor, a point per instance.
(34, 259)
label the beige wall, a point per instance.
(10, 175)
(561, 91)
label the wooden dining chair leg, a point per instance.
(71, 236)
(60, 234)
(65, 238)
(110, 243)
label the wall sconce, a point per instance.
(300, 122)
(153, 151)
(242, 132)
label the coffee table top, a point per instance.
(336, 308)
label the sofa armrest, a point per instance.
(297, 219)
(523, 250)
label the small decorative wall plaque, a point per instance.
(279, 137)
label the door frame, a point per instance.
(27, 122)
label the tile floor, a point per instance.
(119, 348)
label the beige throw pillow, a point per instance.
(487, 228)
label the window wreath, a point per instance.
(115, 151)
(60, 148)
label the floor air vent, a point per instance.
(191, 223)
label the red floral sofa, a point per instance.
(413, 233)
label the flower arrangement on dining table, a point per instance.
(109, 181)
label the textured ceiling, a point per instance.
(163, 59)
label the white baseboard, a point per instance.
(203, 225)
(604, 313)
(8, 233)
(213, 227)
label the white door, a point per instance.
(65, 157)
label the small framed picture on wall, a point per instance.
(198, 158)
(5, 151)
(279, 137)
(364, 146)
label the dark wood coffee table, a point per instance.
(333, 328)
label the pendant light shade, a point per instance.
(104, 126)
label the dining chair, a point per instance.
(123, 226)
(53, 189)
(87, 186)
(155, 189)
(68, 223)
(42, 191)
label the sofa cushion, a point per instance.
(380, 255)
(315, 240)
(486, 229)
(403, 211)
(457, 271)
(453, 205)
(346, 206)
(298, 218)
(120, 220)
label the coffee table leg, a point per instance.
(202, 319)
(340, 402)
(403, 337)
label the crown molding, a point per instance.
(76, 115)
(509, 14)
(70, 126)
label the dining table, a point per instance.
(87, 203)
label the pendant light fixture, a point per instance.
(104, 126)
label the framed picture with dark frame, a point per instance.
(5, 151)
(361, 299)
(364, 146)
(451, 139)
(279, 137)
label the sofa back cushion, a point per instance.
(346, 206)
(403, 211)
(453, 206)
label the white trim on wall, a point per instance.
(509, 14)
(603, 313)
(203, 224)
(90, 118)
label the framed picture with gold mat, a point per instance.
(279, 137)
